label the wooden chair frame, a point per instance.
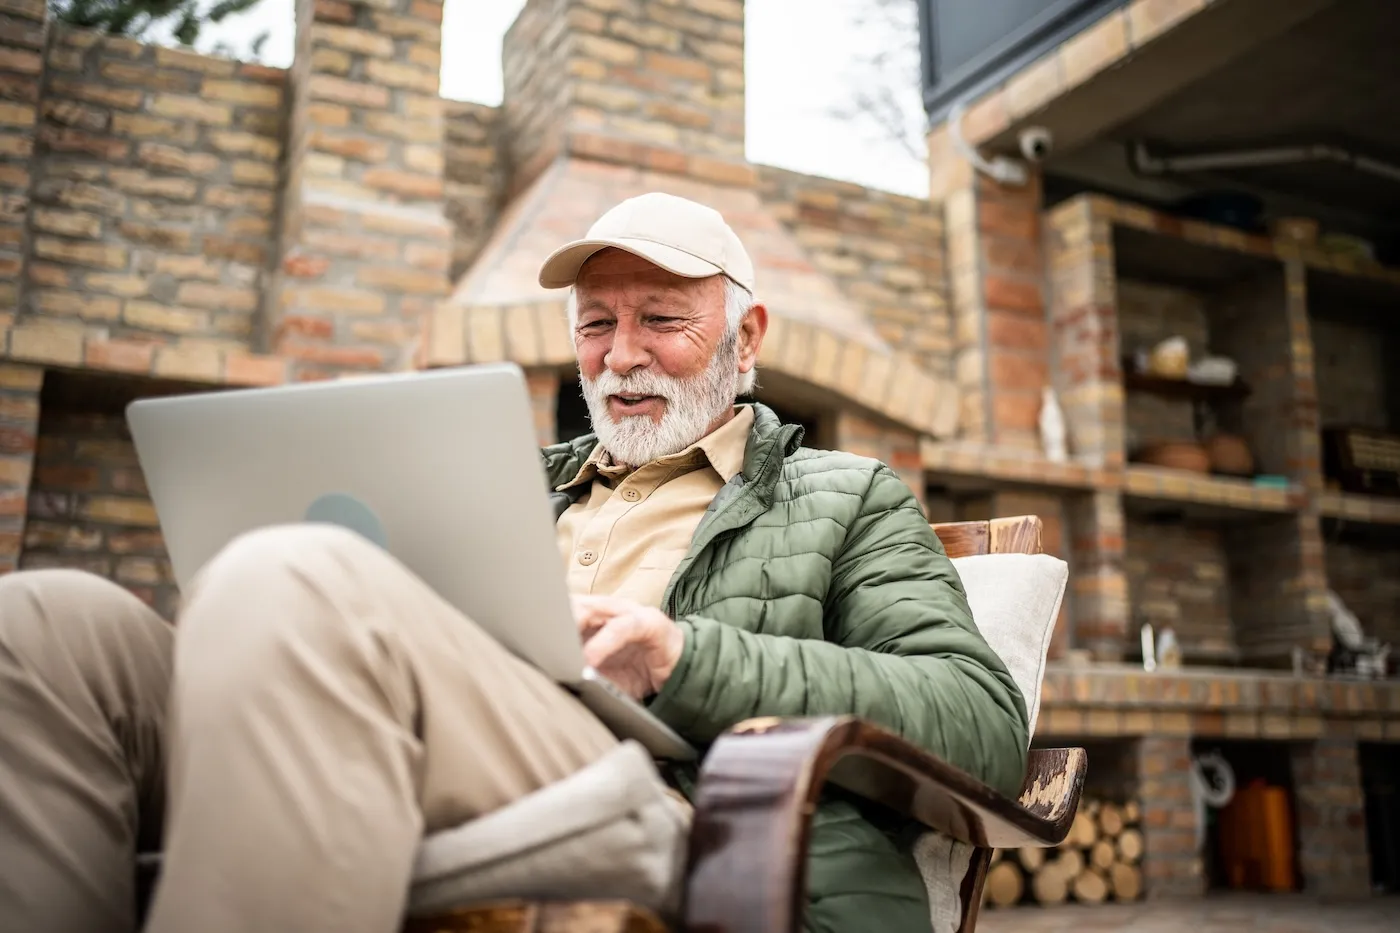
(759, 785)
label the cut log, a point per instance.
(1005, 884)
(997, 855)
(1126, 881)
(1090, 887)
(1069, 864)
(1102, 855)
(1130, 846)
(1050, 885)
(1131, 813)
(1110, 820)
(1031, 858)
(1083, 833)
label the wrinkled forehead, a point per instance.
(613, 276)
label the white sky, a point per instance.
(792, 83)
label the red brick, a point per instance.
(246, 369)
(1007, 220)
(1016, 331)
(15, 440)
(67, 477)
(301, 266)
(123, 355)
(1016, 411)
(407, 184)
(301, 325)
(348, 357)
(334, 11)
(1010, 294)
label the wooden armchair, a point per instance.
(759, 785)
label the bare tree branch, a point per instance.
(885, 80)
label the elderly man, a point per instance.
(321, 709)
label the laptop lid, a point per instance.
(440, 468)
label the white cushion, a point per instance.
(1015, 599)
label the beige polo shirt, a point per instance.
(628, 533)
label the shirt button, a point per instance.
(631, 495)
(586, 557)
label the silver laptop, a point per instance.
(441, 468)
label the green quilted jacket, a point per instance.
(814, 586)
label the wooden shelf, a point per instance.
(1183, 388)
(1354, 507)
(1209, 497)
(1232, 241)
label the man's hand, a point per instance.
(634, 646)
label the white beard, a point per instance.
(692, 405)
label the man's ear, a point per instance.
(751, 331)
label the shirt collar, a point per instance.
(723, 447)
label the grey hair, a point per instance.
(738, 301)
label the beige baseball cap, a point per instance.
(677, 234)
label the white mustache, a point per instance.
(642, 383)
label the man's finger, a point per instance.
(616, 636)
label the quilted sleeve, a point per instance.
(901, 651)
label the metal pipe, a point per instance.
(1144, 163)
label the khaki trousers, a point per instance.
(319, 710)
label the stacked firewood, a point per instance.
(1099, 860)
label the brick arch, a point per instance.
(872, 377)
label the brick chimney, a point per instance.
(365, 248)
(659, 85)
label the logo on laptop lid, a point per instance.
(338, 508)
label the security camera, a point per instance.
(1036, 143)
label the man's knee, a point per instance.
(278, 588)
(306, 551)
(84, 637)
(72, 607)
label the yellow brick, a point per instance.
(152, 316)
(1148, 19)
(47, 343)
(243, 93)
(1094, 49)
(117, 510)
(196, 362)
(20, 377)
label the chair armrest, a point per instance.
(760, 784)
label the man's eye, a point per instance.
(663, 320)
(594, 325)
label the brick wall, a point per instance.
(1179, 578)
(1351, 366)
(19, 425)
(1332, 849)
(1367, 579)
(22, 41)
(154, 192)
(472, 178)
(659, 85)
(996, 272)
(1083, 330)
(89, 509)
(884, 250)
(1098, 584)
(544, 404)
(1171, 867)
(1278, 597)
(1147, 314)
(364, 248)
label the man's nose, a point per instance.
(628, 351)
